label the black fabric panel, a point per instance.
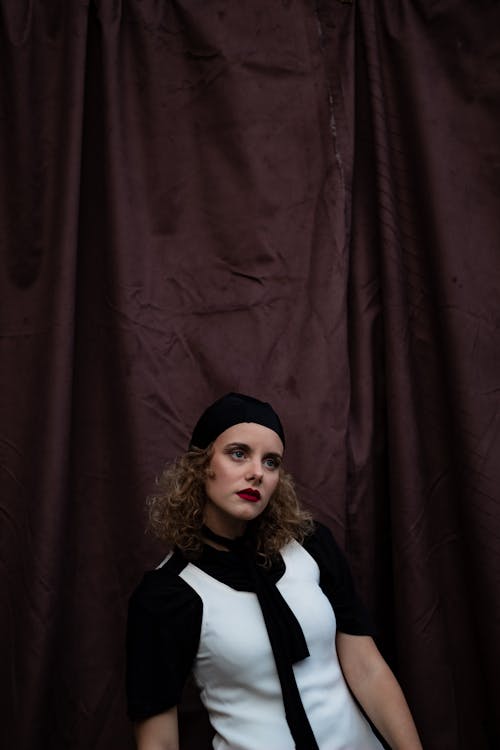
(337, 583)
(163, 633)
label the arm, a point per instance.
(163, 633)
(377, 690)
(160, 732)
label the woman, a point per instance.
(257, 602)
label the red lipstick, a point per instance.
(252, 496)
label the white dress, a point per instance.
(235, 669)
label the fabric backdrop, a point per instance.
(294, 199)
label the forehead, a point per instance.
(252, 434)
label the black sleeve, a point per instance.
(337, 584)
(163, 632)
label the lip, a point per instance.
(252, 496)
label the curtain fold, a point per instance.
(40, 146)
(416, 148)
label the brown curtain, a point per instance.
(293, 199)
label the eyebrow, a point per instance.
(246, 447)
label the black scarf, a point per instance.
(285, 634)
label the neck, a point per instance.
(221, 546)
(226, 527)
(218, 541)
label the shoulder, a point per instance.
(321, 541)
(322, 532)
(163, 591)
(320, 545)
(333, 565)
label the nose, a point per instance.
(255, 472)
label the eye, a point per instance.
(238, 454)
(271, 462)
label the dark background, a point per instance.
(295, 199)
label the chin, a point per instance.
(251, 512)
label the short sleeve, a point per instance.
(163, 632)
(337, 584)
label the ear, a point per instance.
(210, 474)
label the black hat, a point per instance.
(231, 409)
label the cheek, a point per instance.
(217, 475)
(213, 470)
(274, 484)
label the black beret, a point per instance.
(231, 409)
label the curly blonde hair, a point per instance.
(176, 509)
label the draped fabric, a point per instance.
(296, 200)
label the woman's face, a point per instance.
(241, 477)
